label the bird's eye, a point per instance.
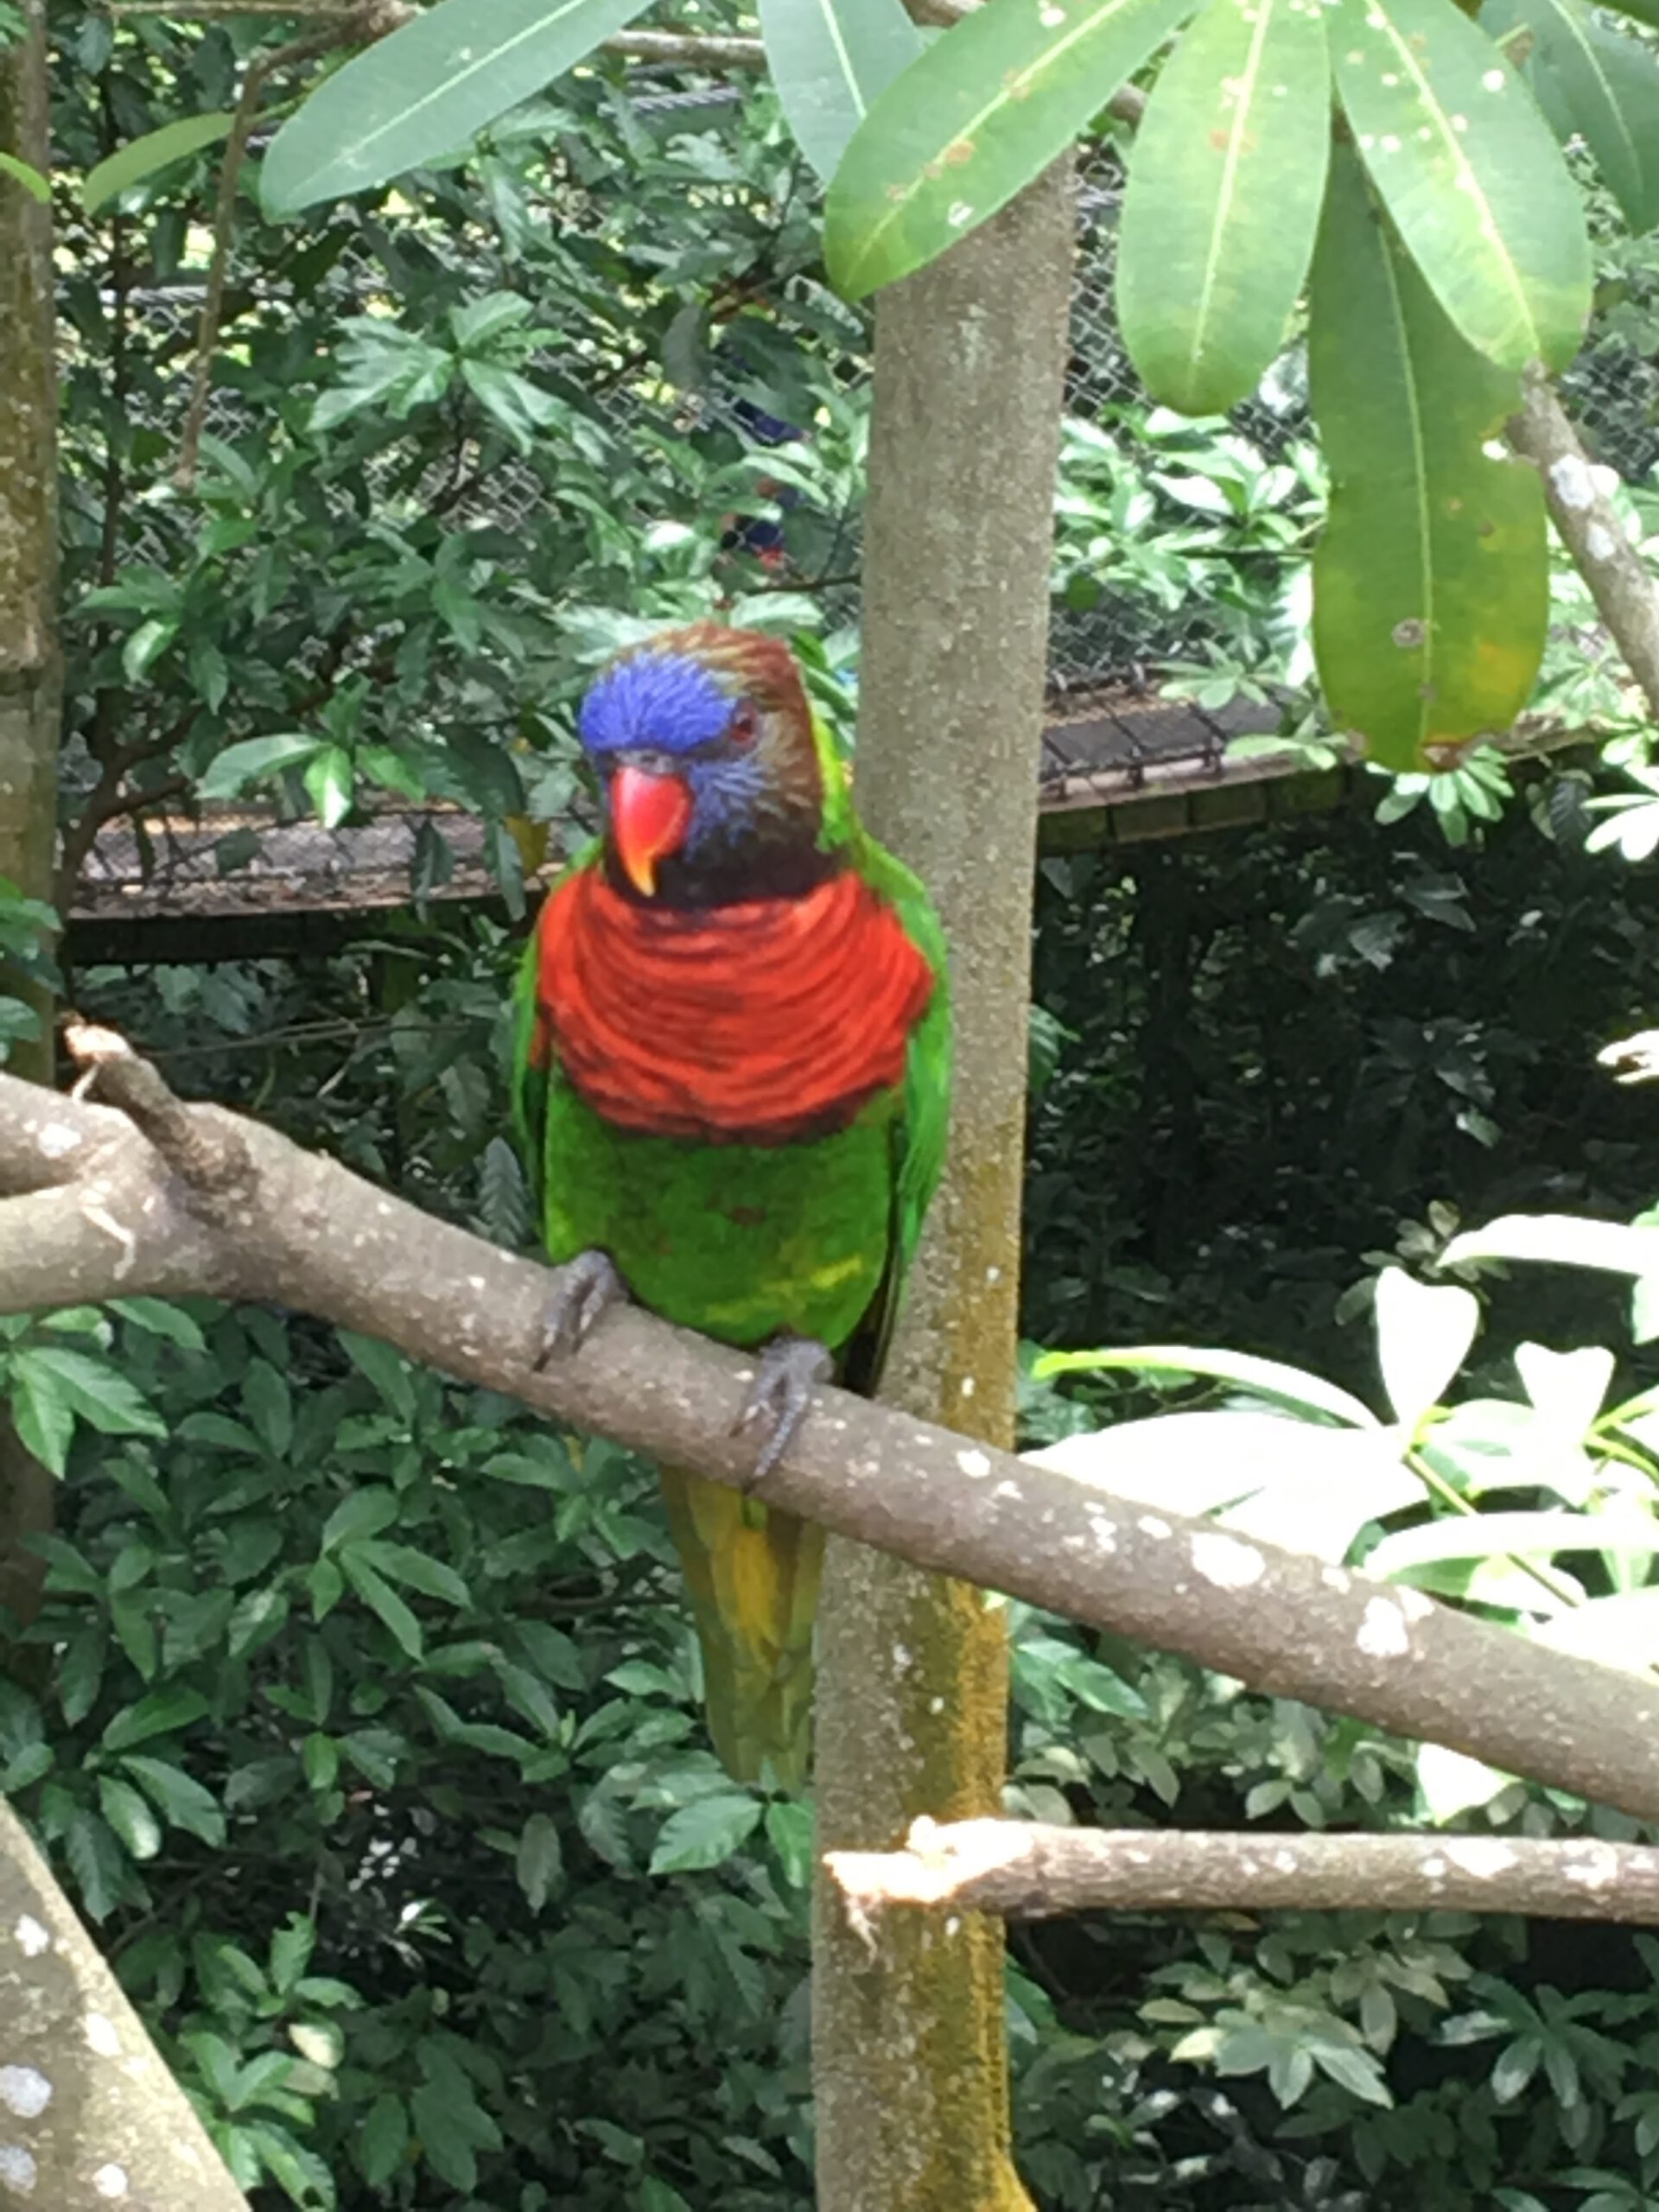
(742, 724)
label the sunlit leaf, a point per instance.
(1431, 581)
(830, 60)
(1451, 1782)
(982, 112)
(1226, 179)
(1423, 1335)
(1270, 1378)
(1568, 1241)
(426, 89)
(1470, 173)
(142, 157)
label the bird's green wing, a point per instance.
(921, 1127)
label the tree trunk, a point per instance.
(88, 2112)
(30, 677)
(908, 2044)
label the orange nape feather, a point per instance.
(760, 1022)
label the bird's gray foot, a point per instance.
(791, 1368)
(583, 1289)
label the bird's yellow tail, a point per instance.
(752, 1573)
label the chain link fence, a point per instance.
(1104, 645)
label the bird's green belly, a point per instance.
(737, 1241)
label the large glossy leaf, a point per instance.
(1431, 586)
(984, 110)
(1469, 172)
(1565, 1239)
(1594, 84)
(142, 157)
(1223, 205)
(426, 90)
(831, 60)
(1268, 1378)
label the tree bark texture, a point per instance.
(1029, 1870)
(30, 677)
(1620, 580)
(908, 2039)
(89, 2115)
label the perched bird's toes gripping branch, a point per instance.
(791, 1370)
(584, 1290)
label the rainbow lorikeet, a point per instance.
(732, 1083)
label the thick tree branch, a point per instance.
(1029, 1870)
(1620, 580)
(96, 1212)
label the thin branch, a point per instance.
(99, 1213)
(1029, 1870)
(370, 20)
(1621, 582)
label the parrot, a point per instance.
(731, 1086)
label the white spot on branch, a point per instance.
(99, 2031)
(57, 1138)
(1226, 1562)
(32, 1938)
(1599, 544)
(1383, 1632)
(18, 2171)
(24, 2090)
(1481, 1856)
(98, 1213)
(1150, 1525)
(1570, 480)
(974, 1463)
(111, 2181)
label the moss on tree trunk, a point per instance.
(908, 2041)
(31, 679)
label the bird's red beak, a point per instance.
(648, 818)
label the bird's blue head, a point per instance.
(703, 741)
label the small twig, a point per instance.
(1621, 582)
(207, 1154)
(1024, 1870)
(370, 20)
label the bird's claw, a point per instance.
(791, 1368)
(584, 1289)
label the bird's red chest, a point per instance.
(761, 1023)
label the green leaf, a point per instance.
(330, 785)
(1430, 583)
(179, 1795)
(365, 1513)
(382, 1600)
(984, 110)
(705, 1834)
(36, 186)
(97, 1863)
(159, 1713)
(1593, 82)
(426, 89)
(1423, 1337)
(381, 2145)
(416, 1569)
(387, 1369)
(1619, 1247)
(1226, 180)
(830, 60)
(540, 1860)
(45, 1424)
(145, 647)
(256, 757)
(160, 1319)
(129, 1816)
(1471, 174)
(1267, 1379)
(142, 157)
(789, 1831)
